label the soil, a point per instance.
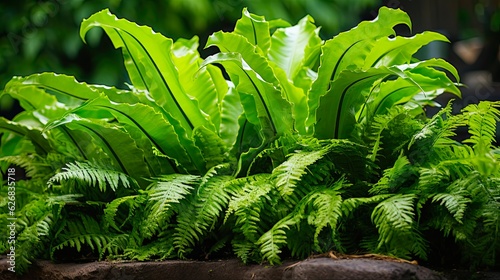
(320, 267)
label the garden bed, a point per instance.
(232, 269)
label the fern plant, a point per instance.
(301, 151)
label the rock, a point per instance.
(317, 269)
(358, 269)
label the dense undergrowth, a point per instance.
(309, 146)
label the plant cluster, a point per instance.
(279, 145)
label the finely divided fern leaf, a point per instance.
(482, 121)
(164, 197)
(394, 213)
(271, 241)
(289, 173)
(248, 203)
(93, 175)
(84, 230)
(112, 208)
(327, 211)
(456, 204)
(201, 214)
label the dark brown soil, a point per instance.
(317, 269)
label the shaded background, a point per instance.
(42, 35)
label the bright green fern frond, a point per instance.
(116, 244)
(82, 231)
(34, 225)
(248, 204)
(394, 178)
(433, 177)
(159, 249)
(112, 208)
(93, 175)
(394, 213)
(164, 196)
(380, 123)
(171, 188)
(437, 133)
(482, 121)
(349, 205)
(201, 214)
(326, 210)
(245, 250)
(288, 174)
(271, 242)
(456, 204)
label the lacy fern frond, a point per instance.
(288, 174)
(171, 188)
(30, 163)
(349, 205)
(379, 124)
(454, 202)
(160, 249)
(398, 232)
(394, 213)
(164, 195)
(244, 249)
(482, 121)
(437, 133)
(430, 179)
(248, 204)
(93, 175)
(112, 208)
(326, 210)
(270, 243)
(116, 245)
(36, 221)
(82, 231)
(202, 212)
(395, 177)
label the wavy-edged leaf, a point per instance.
(235, 43)
(256, 29)
(120, 148)
(349, 49)
(419, 81)
(290, 45)
(35, 135)
(261, 101)
(154, 126)
(148, 59)
(336, 112)
(231, 111)
(65, 88)
(399, 50)
(207, 84)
